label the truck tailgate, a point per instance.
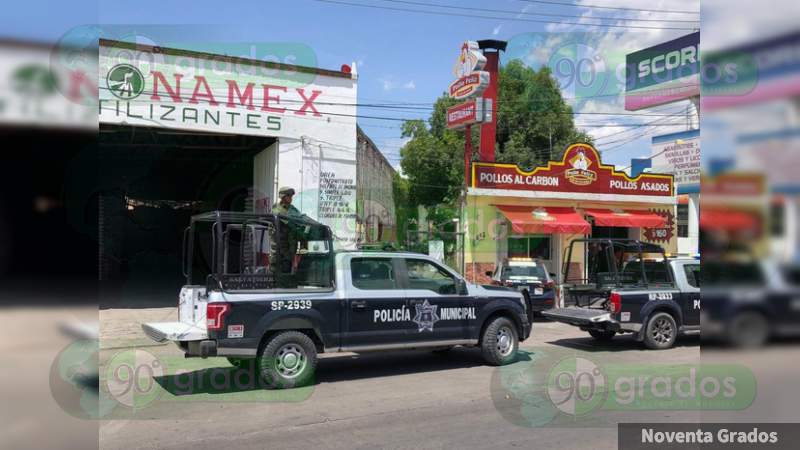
(577, 316)
(173, 331)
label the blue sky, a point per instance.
(401, 56)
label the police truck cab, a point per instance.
(236, 304)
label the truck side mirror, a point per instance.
(462, 288)
(489, 273)
(552, 275)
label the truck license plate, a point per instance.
(538, 291)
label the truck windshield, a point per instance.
(524, 271)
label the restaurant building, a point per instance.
(510, 212)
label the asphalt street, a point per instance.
(412, 399)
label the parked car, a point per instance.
(747, 301)
(531, 278)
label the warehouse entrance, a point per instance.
(150, 182)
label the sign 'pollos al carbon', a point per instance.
(580, 170)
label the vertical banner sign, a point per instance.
(471, 82)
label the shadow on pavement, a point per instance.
(371, 365)
(229, 379)
(620, 343)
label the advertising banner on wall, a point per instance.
(34, 91)
(678, 154)
(580, 171)
(757, 72)
(665, 73)
(139, 85)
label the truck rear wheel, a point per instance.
(287, 360)
(602, 335)
(499, 342)
(660, 332)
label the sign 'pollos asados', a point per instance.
(580, 170)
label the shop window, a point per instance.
(537, 247)
(683, 220)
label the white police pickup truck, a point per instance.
(330, 302)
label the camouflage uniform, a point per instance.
(285, 241)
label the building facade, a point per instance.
(511, 213)
(375, 206)
(182, 132)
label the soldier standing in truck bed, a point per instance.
(284, 251)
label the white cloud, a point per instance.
(728, 23)
(389, 84)
(497, 29)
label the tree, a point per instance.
(531, 113)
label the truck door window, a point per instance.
(692, 272)
(373, 274)
(426, 275)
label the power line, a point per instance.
(361, 116)
(525, 13)
(514, 19)
(618, 8)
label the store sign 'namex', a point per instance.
(470, 81)
(580, 170)
(467, 113)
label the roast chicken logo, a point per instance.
(469, 60)
(580, 174)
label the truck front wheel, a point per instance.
(660, 332)
(749, 329)
(499, 342)
(287, 360)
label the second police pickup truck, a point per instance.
(330, 302)
(628, 286)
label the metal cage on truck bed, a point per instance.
(237, 251)
(607, 264)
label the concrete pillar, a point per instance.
(694, 223)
